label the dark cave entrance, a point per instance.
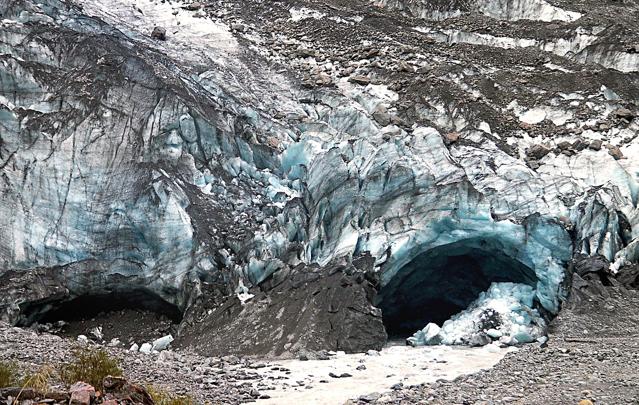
(90, 306)
(132, 315)
(443, 281)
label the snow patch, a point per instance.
(303, 13)
(187, 35)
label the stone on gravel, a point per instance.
(159, 33)
(162, 343)
(358, 79)
(81, 394)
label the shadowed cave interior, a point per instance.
(90, 305)
(443, 281)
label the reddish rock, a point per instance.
(615, 152)
(118, 388)
(81, 394)
(451, 137)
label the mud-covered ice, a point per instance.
(309, 382)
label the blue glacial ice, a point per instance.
(230, 174)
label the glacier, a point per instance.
(188, 170)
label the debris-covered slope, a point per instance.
(466, 149)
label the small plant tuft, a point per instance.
(163, 397)
(90, 366)
(8, 374)
(40, 380)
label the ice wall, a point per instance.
(106, 145)
(172, 167)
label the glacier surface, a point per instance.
(183, 169)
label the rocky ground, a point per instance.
(218, 380)
(591, 354)
(330, 379)
(128, 326)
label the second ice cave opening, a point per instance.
(93, 305)
(444, 281)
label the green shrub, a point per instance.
(8, 374)
(162, 397)
(90, 366)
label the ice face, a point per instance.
(170, 165)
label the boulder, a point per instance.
(596, 144)
(537, 151)
(628, 275)
(159, 33)
(381, 115)
(81, 394)
(624, 113)
(194, 6)
(615, 152)
(119, 389)
(451, 137)
(358, 79)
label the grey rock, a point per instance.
(596, 144)
(358, 79)
(537, 151)
(624, 113)
(615, 152)
(342, 375)
(159, 33)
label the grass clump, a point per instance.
(8, 374)
(39, 380)
(90, 366)
(162, 397)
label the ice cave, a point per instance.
(91, 305)
(443, 281)
(467, 292)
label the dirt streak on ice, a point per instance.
(395, 364)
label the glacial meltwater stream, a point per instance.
(309, 382)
